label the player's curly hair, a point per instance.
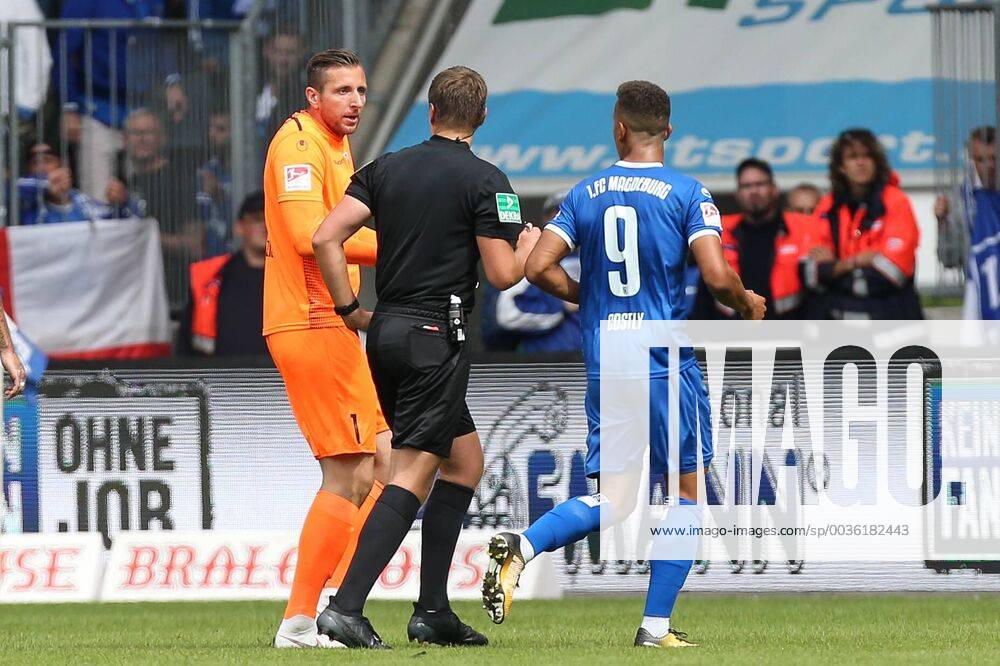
(863, 137)
(643, 107)
(329, 59)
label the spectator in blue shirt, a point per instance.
(966, 235)
(47, 194)
(126, 67)
(215, 188)
(529, 320)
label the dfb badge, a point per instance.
(298, 178)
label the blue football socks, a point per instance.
(666, 578)
(565, 524)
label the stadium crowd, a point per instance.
(83, 87)
(846, 254)
(128, 122)
(114, 135)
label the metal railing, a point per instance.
(964, 57)
(163, 118)
(125, 121)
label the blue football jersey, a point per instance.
(983, 271)
(633, 223)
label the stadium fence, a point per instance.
(964, 55)
(218, 88)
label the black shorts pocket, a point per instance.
(427, 348)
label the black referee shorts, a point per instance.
(421, 378)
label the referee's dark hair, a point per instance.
(643, 107)
(459, 98)
(329, 59)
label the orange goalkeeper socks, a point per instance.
(366, 508)
(328, 530)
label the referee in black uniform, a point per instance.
(437, 209)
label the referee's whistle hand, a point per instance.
(358, 320)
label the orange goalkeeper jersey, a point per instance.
(308, 168)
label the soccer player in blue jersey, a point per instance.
(634, 224)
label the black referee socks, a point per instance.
(444, 514)
(387, 525)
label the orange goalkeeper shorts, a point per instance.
(329, 388)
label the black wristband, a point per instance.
(344, 310)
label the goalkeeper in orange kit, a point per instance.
(326, 374)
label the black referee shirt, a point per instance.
(430, 202)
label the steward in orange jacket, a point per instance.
(206, 283)
(765, 246)
(794, 235)
(875, 245)
(225, 312)
(867, 259)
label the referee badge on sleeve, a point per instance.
(298, 178)
(508, 208)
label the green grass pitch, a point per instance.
(765, 629)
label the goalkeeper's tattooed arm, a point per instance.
(544, 270)
(11, 363)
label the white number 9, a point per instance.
(623, 283)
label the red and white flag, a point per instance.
(87, 290)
